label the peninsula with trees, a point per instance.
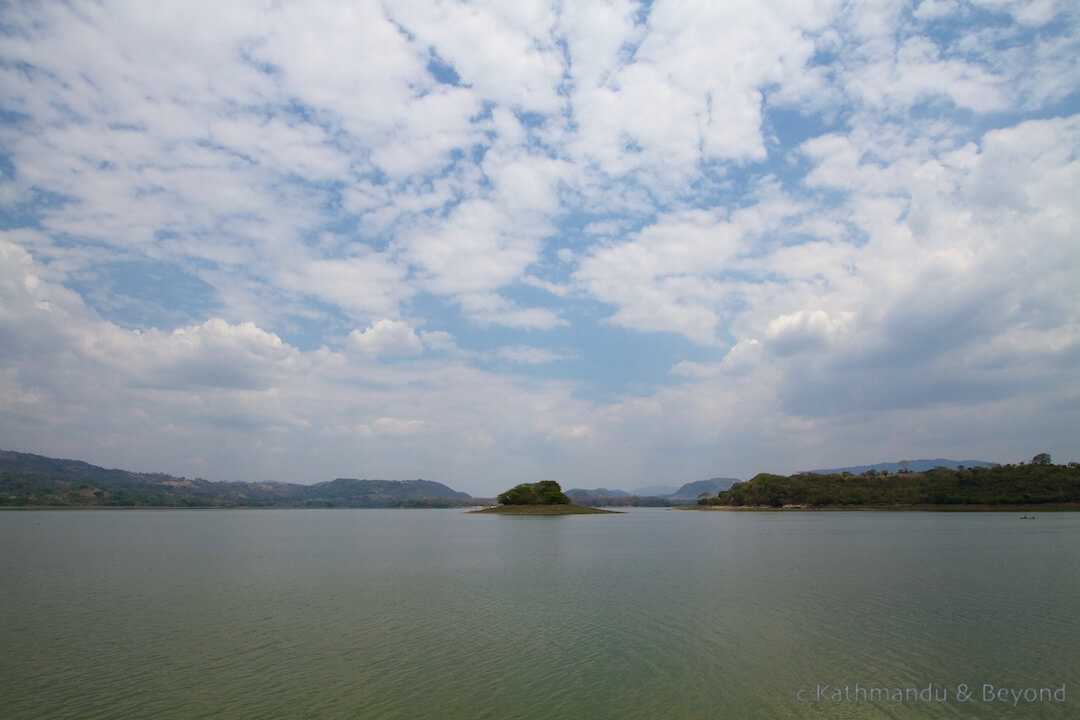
(1039, 483)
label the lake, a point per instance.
(655, 613)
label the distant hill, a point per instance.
(35, 480)
(626, 501)
(711, 486)
(598, 492)
(912, 465)
(655, 491)
(349, 492)
(602, 497)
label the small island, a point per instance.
(541, 498)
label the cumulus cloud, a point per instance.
(214, 354)
(72, 366)
(386, 338)
(802, 330)
(743, 357)
(663, 278)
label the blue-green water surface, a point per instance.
(440, 614)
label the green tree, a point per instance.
(545, 492)
(1042, 459)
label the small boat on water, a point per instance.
(1027, 517)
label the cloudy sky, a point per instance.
(608, 243)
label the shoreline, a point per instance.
(543, 510)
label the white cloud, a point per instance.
(438, 340)
(572, 434)
(386, 338)
(743, 357)
(661, 280)
(705, 66)
(918, 72)
(493, 309)
(70, 360)
(368, 285)
(803, 330)
(525, 355)
(503, 52)
(474, 251)
(393, 427)
(214, 354)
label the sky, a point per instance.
(608, 243)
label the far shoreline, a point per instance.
(579, 509)
(928, 507)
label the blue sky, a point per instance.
(610, 243)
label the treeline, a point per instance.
(441, 503)
(1023, 484)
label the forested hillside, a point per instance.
(1025, 484)
(34, 480)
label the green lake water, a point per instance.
(440, 614)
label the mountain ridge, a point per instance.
(913, 465)
(691, 490)
(596, 493)
(28, 479)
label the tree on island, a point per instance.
(545, 492)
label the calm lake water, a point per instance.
(440, 614)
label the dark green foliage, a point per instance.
(1042, 459)
(1004, 484)
(545, 492)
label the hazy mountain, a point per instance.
(598, 492)
(711, 486)
(655, 491)
(27, 479)
(912, 465)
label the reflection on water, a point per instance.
(431, 613)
